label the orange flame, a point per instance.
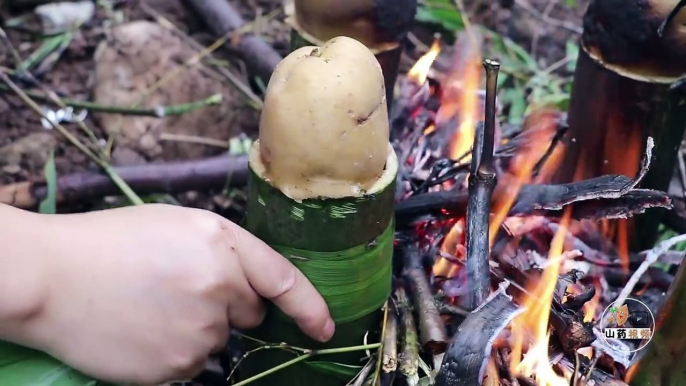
(460, 95)
(463, 139)
(535, 319)
(591, 306)
(523, 165)
(453, 245)
(420, 70)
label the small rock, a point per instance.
(63, 15)
(124, 156)
(32, 150)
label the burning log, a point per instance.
(381, 25)
(431, 327)
(464, 363)
(482, 181)
(628, 85)
(321, 184)
(597, 199)
(169, 177)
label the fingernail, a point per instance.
(327, 332)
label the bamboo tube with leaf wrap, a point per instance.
(381, 25)
(321, 186)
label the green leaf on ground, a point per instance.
(21, 366)
(49, 204)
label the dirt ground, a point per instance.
(114, 66)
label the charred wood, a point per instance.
(482, 181)
(465, 360)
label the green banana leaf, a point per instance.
(21, 366)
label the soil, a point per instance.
(101, 65)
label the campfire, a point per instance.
(524, 297)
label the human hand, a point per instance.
(145, 294)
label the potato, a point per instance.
(324, 128)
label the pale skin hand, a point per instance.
(142, 294)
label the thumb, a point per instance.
(275, 278)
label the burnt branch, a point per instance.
(608, 196)
(464, 363)
(482, 181)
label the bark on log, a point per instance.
(222, 18)
(628, 86)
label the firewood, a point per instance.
(222, 18)
(432, 332)
(465, 360)
(168, 177)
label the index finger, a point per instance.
(274, 277)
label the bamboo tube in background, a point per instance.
(628, 86)
(381, 25)
(322, 180)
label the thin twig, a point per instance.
(6, 41)
(192, 61)
(159, 111)
(128, 192)
(194, 139)
(588, 374)
(363, 374)
(575, 373)
(554, 22)
(256, 102)
(382, 349)
(309, 354)
(650, 259)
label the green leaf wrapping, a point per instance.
(21, 366)
(355, 282)
(339, 370)
(344, 246)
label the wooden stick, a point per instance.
(482, 181)
(222, 18)
(172, 177)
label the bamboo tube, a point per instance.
(321, 186)
(626, 88)
(663, 361)
(381, 25)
